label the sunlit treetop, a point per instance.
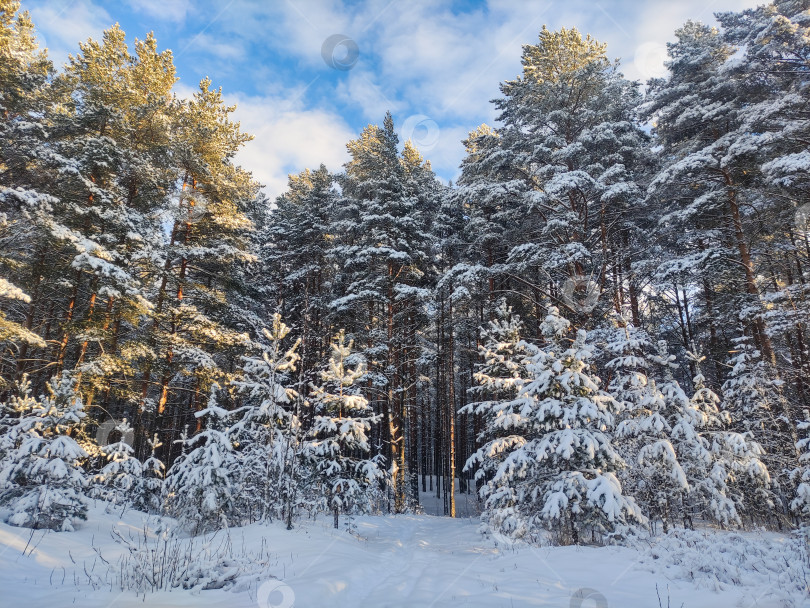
(561, 53)
(471, 144)
(23, 66)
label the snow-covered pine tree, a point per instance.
(485, 197)
(106, 162)
(268, 433)
(294, 259)
(199, 328)
(338, 445)
(24, 73)
(93, 161)
(567, 160)
(768, 69)
(752, 394)
(500, 379)
(23, 65)
(701, 190)
(200, 484)
(558, 465)
(751, 390)
(381, 254)
(692, 436)
(41, 478)
(656, 479)
(629, 347)
(505, 356)
(801, 474)
(12, 331)
(724, 467)
(16, 405)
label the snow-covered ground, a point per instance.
(406, 560)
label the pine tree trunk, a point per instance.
(760, 332)
(451, 398)
(88, 317)
(631, 282)
(63, 343)
(161, 297)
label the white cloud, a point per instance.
(445, 156)
(448, 66)
(359, 90)
(288, 139)
(295, 28)
(440, 61)
(164, 10)
(211, 45)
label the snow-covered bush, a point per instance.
(722, 561)
(165, 561)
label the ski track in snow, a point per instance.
(393, 561)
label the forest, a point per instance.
(598, 330)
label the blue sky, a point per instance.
(435, 65)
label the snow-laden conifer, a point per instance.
(200, 484)
(149, 489)
(338, 445)
(268, 433)
(119, 479)
(556, 465)
(754, 399)
(41, 478)
(656, 477)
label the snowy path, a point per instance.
(397, 561)
(434, 561)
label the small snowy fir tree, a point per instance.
(268, 432)
(691, 434)
(629, 384)
(754, 398)
(724, 468)
(41, 479)
(500, 379)
(338, 444)
(120, 477)
(200, 484)
(556, 464)
(12, 409)
(801, 474)
(505, 356)
(149, 487)
(657, 479)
